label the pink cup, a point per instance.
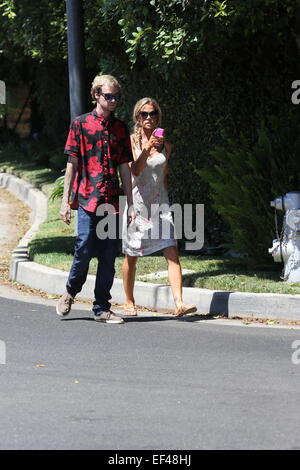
(159, 132)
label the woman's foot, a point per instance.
(184, 310)
(130, 311)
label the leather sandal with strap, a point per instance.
(184, 310)
(130, 311)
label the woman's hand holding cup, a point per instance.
(157, 139)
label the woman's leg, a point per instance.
(129, 270)
(175, 279)
(174, 273)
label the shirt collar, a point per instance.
(104, 122)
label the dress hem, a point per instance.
(149, 251)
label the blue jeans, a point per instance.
(87, 246)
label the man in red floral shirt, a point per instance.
(97, 145)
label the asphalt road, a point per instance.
(152, 383)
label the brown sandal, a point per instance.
(184, 310)
(130, 311)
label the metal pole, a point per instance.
(76, 63)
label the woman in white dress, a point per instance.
(152, 228)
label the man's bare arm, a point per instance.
(125, 175)
(71, 169)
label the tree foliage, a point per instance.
(163, 31)
(37, 28)
(215, 66)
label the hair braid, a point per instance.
(137, 135)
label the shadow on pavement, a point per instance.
(150, 318)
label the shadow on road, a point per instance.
(142, 319)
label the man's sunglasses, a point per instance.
(111, 96)
(145, 115)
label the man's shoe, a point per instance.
(64, 305)
(108, 317)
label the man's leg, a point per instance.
(85, 244)
(84, 248)
(104, 281)
(107, 253)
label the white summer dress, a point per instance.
(152, 228)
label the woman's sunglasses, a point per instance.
(145, 115)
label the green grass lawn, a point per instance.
(53, 246)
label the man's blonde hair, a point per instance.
(101, 80)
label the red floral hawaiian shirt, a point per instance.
(101, 146)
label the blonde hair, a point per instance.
(137, 128)
(101, 80)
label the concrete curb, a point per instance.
(150, 295)
(38, 203)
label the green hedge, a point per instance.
(246, 177)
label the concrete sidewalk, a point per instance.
(150, 295)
